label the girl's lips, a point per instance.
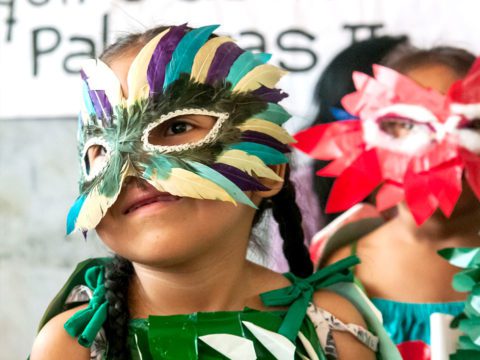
(149, 199)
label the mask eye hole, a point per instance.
(473, 125)
(95, 159)
(396, 126)
(182, 130)
(468, 132)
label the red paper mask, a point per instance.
(410, 143)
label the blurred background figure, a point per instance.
(401, 271)
(334, 83)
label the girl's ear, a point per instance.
(273, 185)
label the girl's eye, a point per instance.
(94, 158)
(180, 130)
(178, 127)
(472, 125)
(396, 127)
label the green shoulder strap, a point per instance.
(387, 349)
(299, 295)
(57, 305)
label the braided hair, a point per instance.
(117, 278)
(287, 214)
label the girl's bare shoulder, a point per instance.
(371, 242)
(53, 342)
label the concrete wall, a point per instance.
(38, 183)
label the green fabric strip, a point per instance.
(86, 323)
(299, 295)
(57, 305)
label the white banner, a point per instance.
(42, 42)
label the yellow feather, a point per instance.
(188, 184)
(93, 210)
(138, 87)
(268, 128)
(204, 57)
(250, 164)
(96, 205)
(266, 75)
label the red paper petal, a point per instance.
(467, 90)
(338, 166)
(446, 183)
(408, 91)
(389, 195)
(389, 87)
(414, 350)
(355, 183)
(418, 196)
(329, 141)
(393, 164)
(472, 170)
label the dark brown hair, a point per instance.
(406, 58)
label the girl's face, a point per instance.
(157, 228)
(154, 228)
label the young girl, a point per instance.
(411, 146)
(180, 143)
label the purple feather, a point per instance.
(264, 139)
(83, 75)
(270, 95)
(223, 60)
(244, 181)
(102, 106)
(162, 56)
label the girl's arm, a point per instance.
(53, 342)
(348, 347)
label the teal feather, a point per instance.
(161, 165)
(217, 178)
(184, 54)
(274, 113)
(244, 64)
(268, 155)
(73, 213)
(88, 100)
(112, 176)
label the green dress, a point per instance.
(303, 331)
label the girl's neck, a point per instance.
(219, 282)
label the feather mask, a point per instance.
(181, 72)
(408, 144)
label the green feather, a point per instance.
(160, 166)
(244, 64)
(112, 177)
(274, 113)
(267, 154)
